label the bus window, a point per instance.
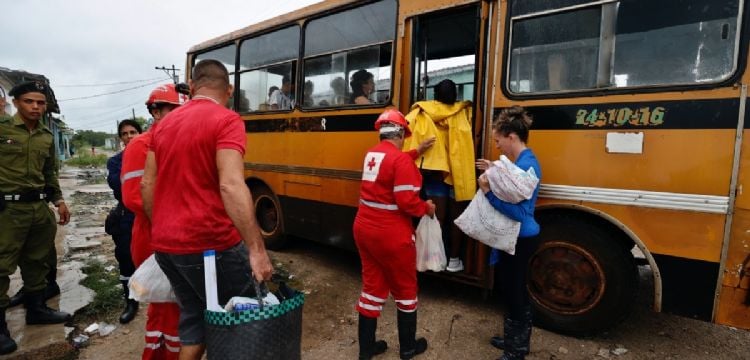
(656, 45)
(629, 43)
(268, 71)
(226, 56)
(445, 48)
(339, 46)
(555, 52)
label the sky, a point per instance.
(89, 48)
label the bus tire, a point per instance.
(269, 216)
(582, 279)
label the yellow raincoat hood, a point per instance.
(453, 151)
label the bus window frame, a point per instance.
(193, 57)
(302, 59)
(238, 73)
(740, 56)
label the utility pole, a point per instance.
(171, 72)
(133, 113)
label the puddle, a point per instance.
(76, 243)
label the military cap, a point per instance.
(27, 87)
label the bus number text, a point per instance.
(645, 116)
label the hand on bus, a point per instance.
(483, 164)
(430, 209)
(425, 145)
(483, 183)
(261, 266)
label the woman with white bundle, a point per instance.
(510, 133)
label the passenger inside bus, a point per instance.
(363, 84)
(281, 99)
(556, 72)
(307, 99)
(339, 91)
(264, 106)
(449, 177)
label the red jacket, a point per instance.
(390, 184)
(133, 164)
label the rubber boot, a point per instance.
(410, 346)
(368, 347)
(7, 344)
(52, 289)
(499, 341)
(17, 299)
(516, 339)
(131, 306)
(38, 313)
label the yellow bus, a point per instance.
(639, 111)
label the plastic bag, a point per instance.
(511, 183)
(430, 250)
(149, 283)
(482, 222)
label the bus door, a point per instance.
(446, 44)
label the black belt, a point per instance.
(25, 197)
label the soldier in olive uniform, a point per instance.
(28, 179)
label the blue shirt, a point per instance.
(522, 212)
(114, 166)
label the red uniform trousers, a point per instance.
(162, 319)
(389, 261)
(162, 339)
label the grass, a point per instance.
(108, 293)
(85, 159)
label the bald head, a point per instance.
(211, 74)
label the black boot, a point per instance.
(516, 339)
(7, 344)
(498, 342)
(17, 299)
(51, 290)
(131, 306)
(407, 330)
(368, 347)
(37, 311)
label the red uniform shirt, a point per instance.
(133, 163)
(188, 213)
(390, 185)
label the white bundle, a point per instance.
(511, 183)
(483, 222)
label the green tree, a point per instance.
(93, 138)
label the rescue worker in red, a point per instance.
(384, 235)
(162, 340)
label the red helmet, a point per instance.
(395, 117)
(165, 94)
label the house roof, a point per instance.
(14, 77)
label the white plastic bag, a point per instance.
(484, 223)
(430, 250)
(149, 284)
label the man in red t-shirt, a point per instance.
(162, 340)
(194, 192)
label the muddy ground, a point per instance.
(457, 322)
(454, 318)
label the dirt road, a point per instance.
(456, 322)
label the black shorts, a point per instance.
(185, 273)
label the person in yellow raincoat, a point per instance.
(449, 175)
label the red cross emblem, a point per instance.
(372, 163)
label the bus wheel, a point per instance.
(269, 217)
(582, 280)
